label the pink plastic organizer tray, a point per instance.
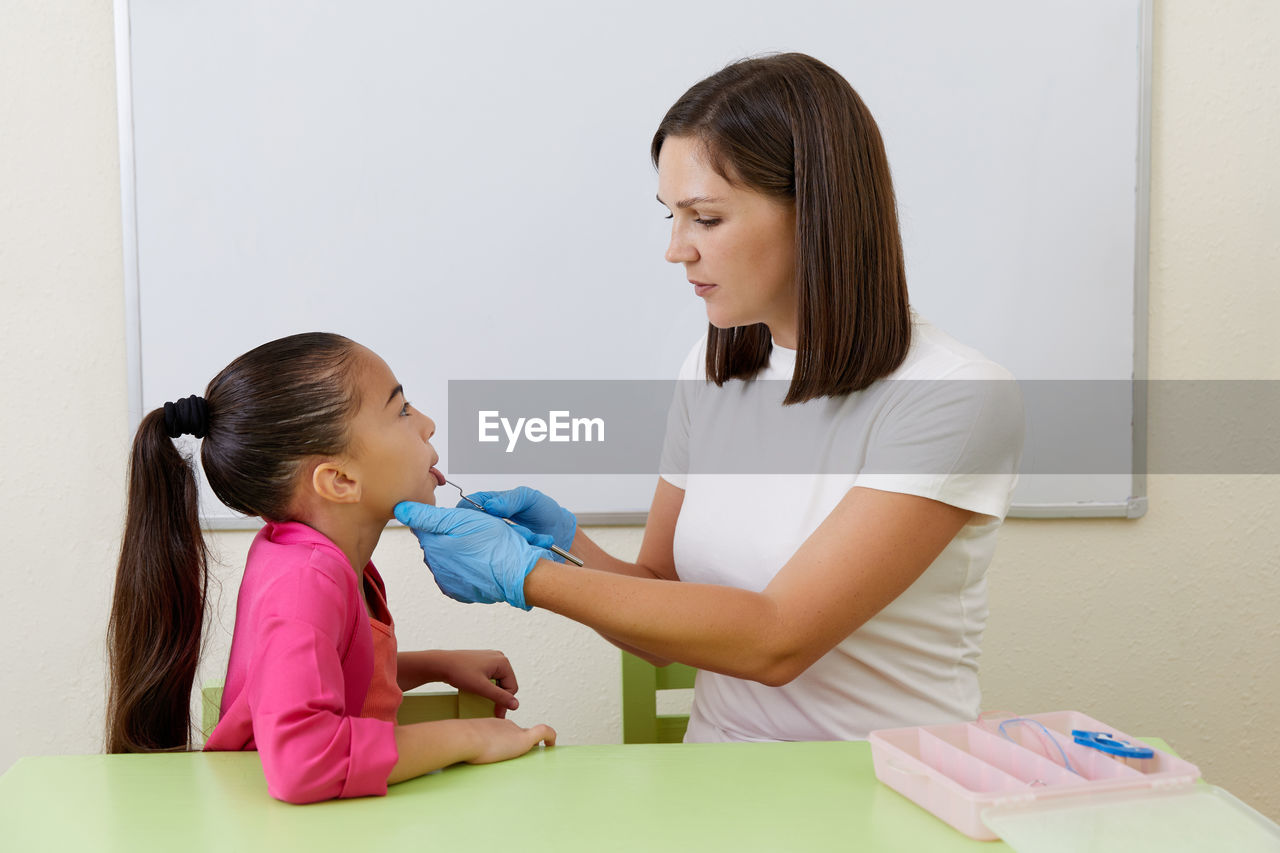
(959, 769)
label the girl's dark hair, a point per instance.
(791, 127)
(268, 411)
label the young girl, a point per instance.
(312, 433)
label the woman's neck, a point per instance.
(785, 333)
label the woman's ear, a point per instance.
(332, 481)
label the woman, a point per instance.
(847, 592)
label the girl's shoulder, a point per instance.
(288, 543)
(299, 572)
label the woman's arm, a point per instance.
(867, 551)
(656, 559)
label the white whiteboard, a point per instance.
(466, 189)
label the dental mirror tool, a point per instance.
(555, 548)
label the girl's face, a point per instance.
(737, 245)
(390, 450)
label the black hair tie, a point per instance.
(187, 417)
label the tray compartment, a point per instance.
(1161, 763)
(1088, 763)
(1025, 765)
(966, 768)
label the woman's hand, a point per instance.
(474, 557)
(476, 671)
(532, 509)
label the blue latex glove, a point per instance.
(474, 557)
(532, 509)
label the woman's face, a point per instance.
(737, 245)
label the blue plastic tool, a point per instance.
(1108, 743)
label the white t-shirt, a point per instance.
(919, 431)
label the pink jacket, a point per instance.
(301, 664)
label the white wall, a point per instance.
(1166, 625)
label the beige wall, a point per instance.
(62, 380)
(1168, 625)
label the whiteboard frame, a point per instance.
(1134, 507)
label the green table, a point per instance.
(661, 797)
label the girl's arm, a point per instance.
(867, 551)
(484, 673)
(293, 706)
(424, 747)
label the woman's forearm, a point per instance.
(656, 558)
(656, 660)
(719, 628)
(597, 558)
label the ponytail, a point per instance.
(157, 613)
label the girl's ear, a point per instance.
(332, 482)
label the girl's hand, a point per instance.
(502, 739)
(476, 671)
(423, 747)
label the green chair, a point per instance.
(417, 707)
(641, 681)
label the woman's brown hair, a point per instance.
(267, 412)
(791, 127)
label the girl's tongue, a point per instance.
(439, 477)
